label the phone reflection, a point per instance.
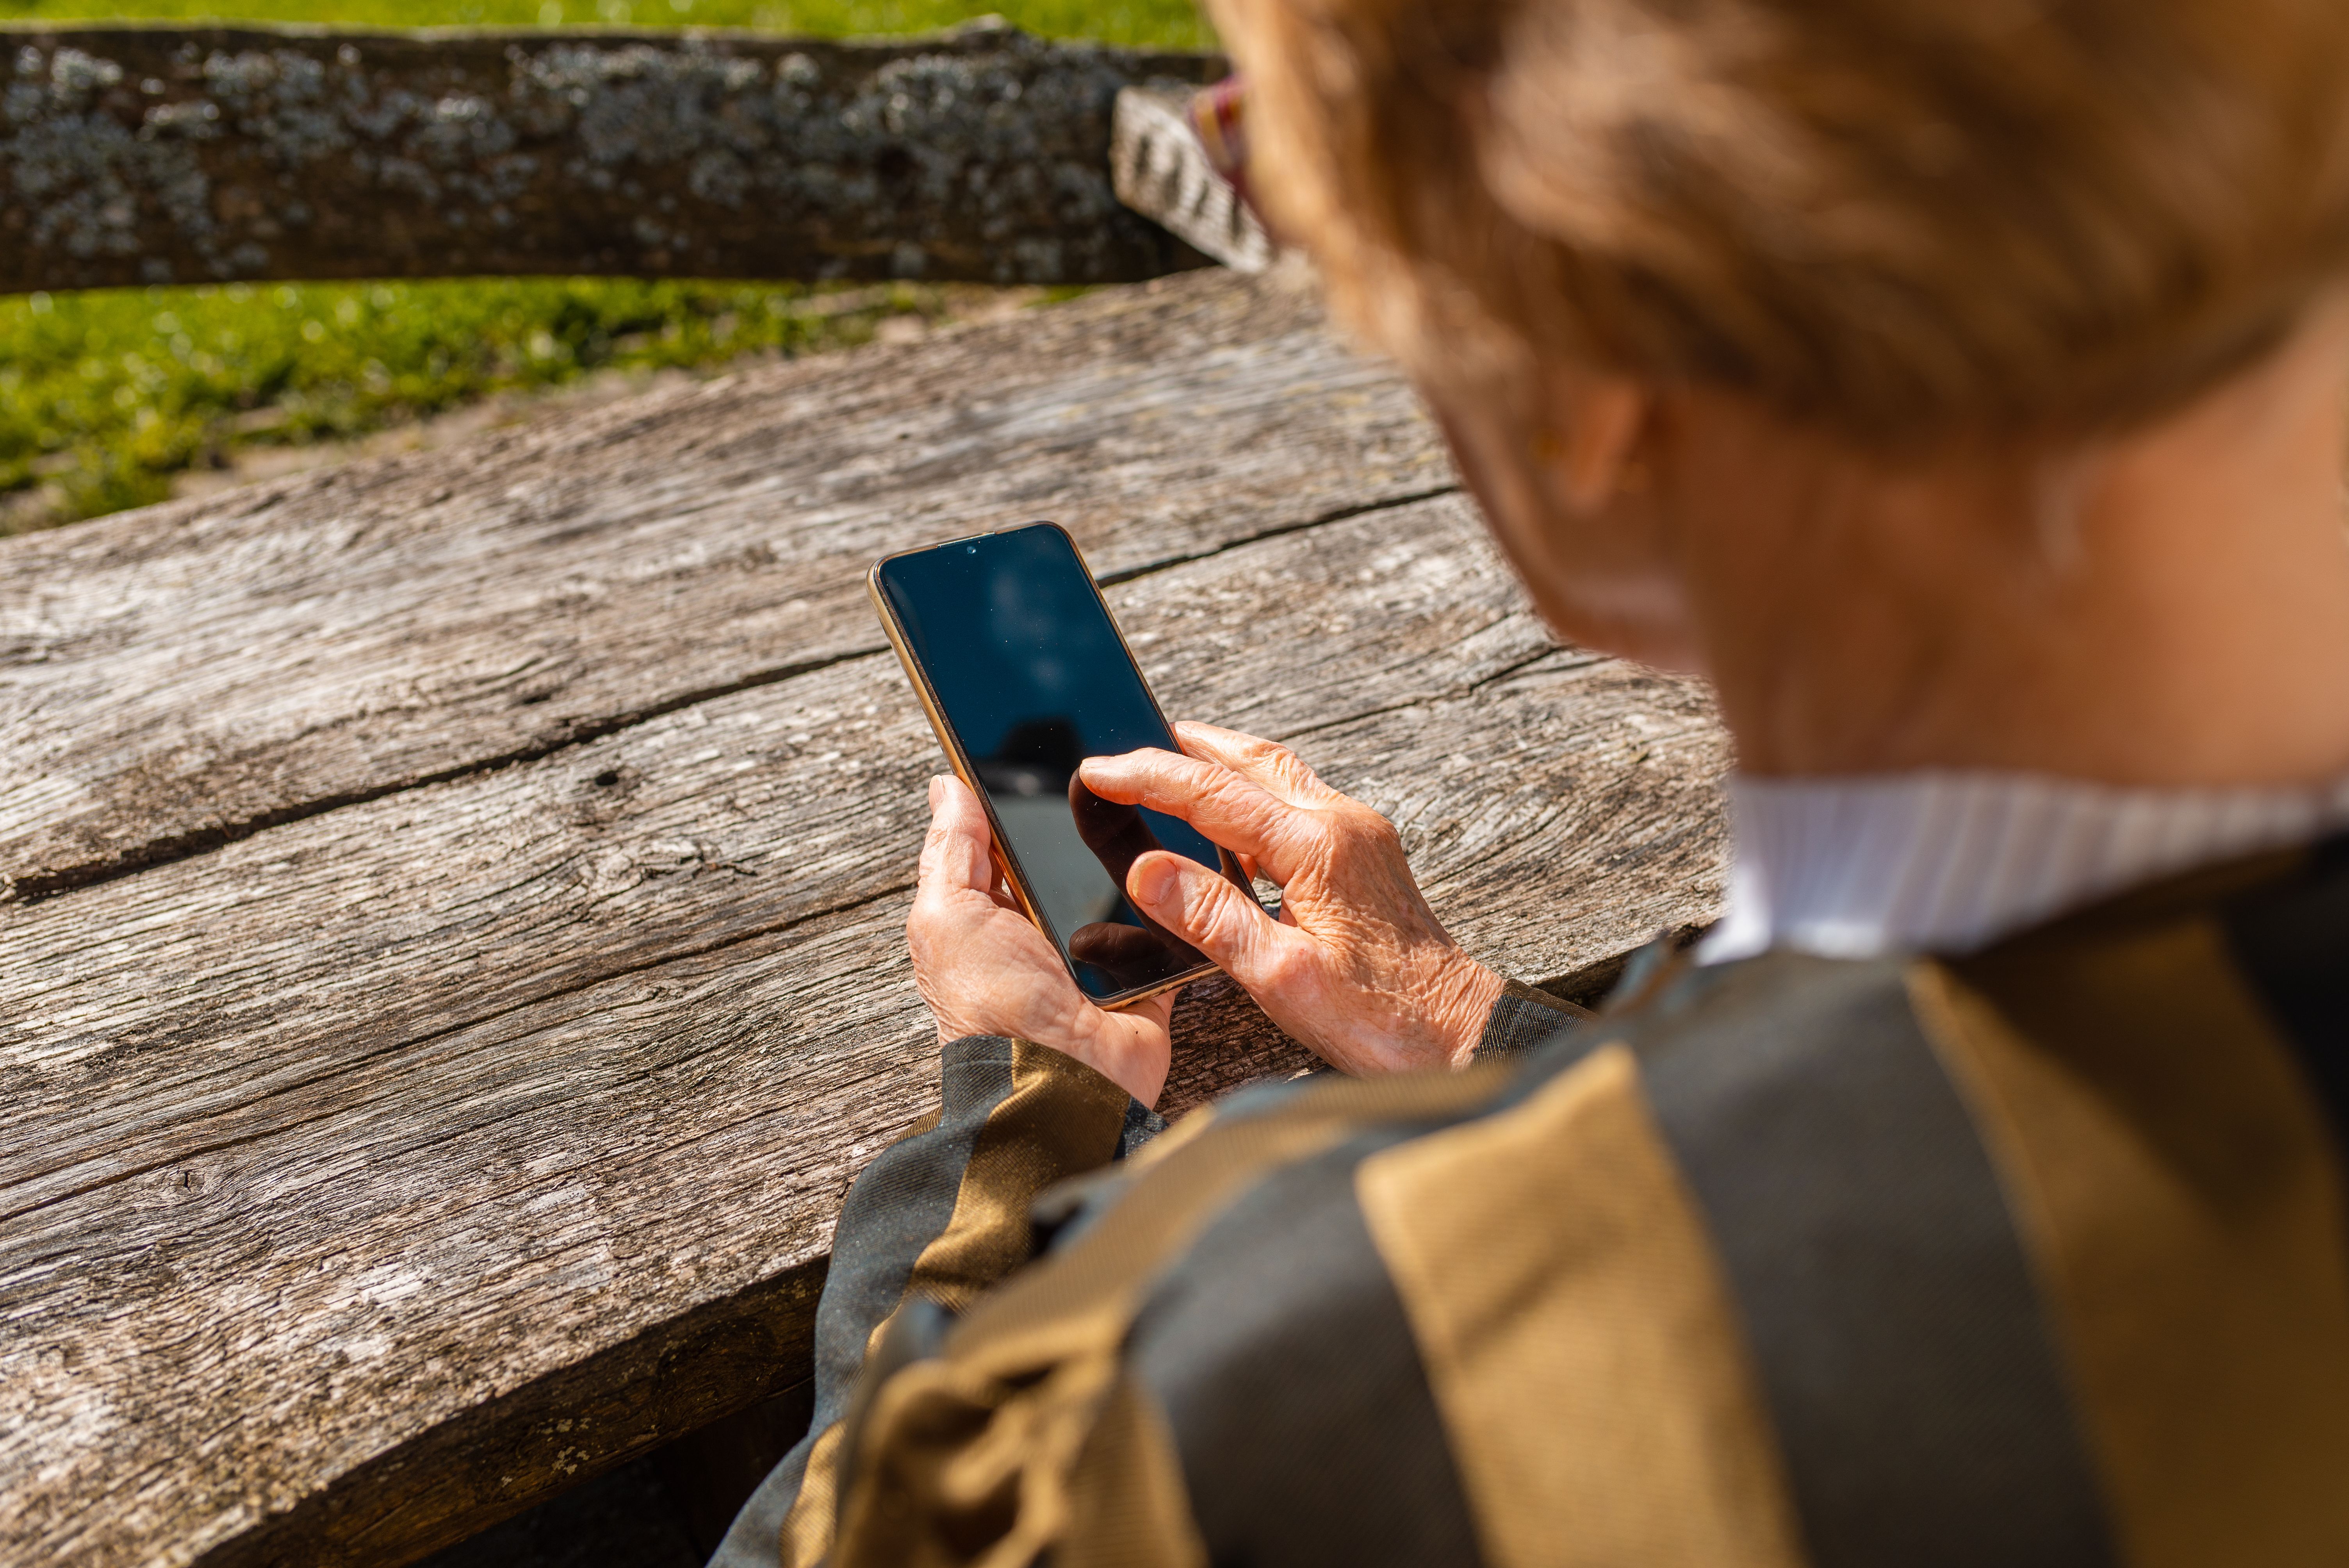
(1076, 848)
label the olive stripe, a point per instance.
(1892, 1313)
(1281, 1356)
(2185, 1206)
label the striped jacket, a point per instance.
(2035, 1257)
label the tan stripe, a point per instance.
(1576, 1331)
(807, 1527)
(2183, 1201)
(975, 1454)
(1060, 1119)
(1090, 1289)
(1128, 1505)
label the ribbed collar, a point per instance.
(1947, 863)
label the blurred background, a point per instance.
(117, 398)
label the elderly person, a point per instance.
(1959, 385)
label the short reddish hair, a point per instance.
(1896, 217)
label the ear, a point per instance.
(1592, 427)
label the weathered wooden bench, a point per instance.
(453, 962)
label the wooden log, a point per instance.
(174, 679)
(171, 155)
(382, 1172)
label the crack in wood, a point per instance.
(33, 887)
(186, 1153)
(1341, 514)
(1563, 658)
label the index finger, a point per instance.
(1227, 808)
(1266, 764)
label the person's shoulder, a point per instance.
(2160, 1077)
(1375, 1342)
(1452, 1310)
(1655, 1285)
(1786, 1256)
(2257, 946)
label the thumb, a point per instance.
(1211, 914)
(954, 850)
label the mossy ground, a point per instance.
(106, 395)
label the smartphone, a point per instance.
(1024, 674)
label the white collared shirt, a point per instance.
(1949, 862)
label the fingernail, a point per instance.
(937, 786)
(1153, 879)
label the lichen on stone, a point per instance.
(84, 176)
(987, 150)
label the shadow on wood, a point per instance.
(663, 1387)
(670, 1509)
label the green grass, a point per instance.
(106, 395)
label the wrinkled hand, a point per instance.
(985, 970)
(1357, 967)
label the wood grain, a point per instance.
(158, 155)
(372, 1176)
(177, 677)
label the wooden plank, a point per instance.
(366, 1178)
(175, 678)
(156, 155)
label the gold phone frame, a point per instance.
(1005, 863)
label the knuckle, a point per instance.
(1217, 927)
(1232, 795)
(1298, 773)
(1225, 928)
(1181, 775)
(1150, 775)
(1322, 831)
(1286, 968)
(1225, 788)
(1191, 728)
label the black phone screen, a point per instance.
(1030, 674)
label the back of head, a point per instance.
(1897, 218)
